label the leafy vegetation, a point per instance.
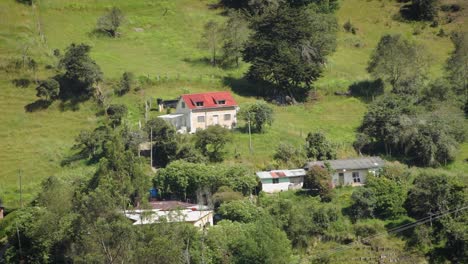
(75, 218)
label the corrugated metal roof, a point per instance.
(350, 164)
(280, 173)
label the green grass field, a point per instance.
(36, 142)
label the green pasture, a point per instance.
(159, 40)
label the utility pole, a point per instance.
(19, 241)
(151, 148)
(250, 134)
(20, 188)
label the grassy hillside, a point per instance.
(160, 39)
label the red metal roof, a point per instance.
(209, 100)
(277, 174)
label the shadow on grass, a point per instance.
(244, 87)
(198, 62)
(367, 90)
(21, 82)
(79, 156)
(40, 104)
(96, 33)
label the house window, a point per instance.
(222, 102)
(227, 117)
(356, 177)
(199, 103)
(275, 181)
(201, 119)
(183, 104)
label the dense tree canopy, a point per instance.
(211, 141)
(400, 63)
(81, 72)
(318, 147)
(288, 48)
(187, 180)
(49, 89)
(258, 114)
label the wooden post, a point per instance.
(250, 135)
(151, 148)
(21, 188)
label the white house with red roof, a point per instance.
(198, 111)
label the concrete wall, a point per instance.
(209, 118)
(284, 184)
(348, 177)
(207, 220)
(182, 108)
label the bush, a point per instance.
(126, 83)
(318, 181)
(116, 113)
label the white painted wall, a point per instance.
(291, 183)
(348, 177)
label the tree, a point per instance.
(363, 206)
(81, 72)
(126, 83)
(399, 62)
(239, 210)
(247, 243)
(434, 192)
(389, 196)
(184, 179)
(258, 114)
(425, 9)
(211, 142)
(111, 21)
(457, 67)
(318, 181)
(116, 113)
(289, 155)
(211, 39)
(289, 47)
(49, 89)
(235, 34)
(91, 143)
(318, 147)
(164, 138)
(382, 121)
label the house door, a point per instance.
(215, 120)
(341, 178)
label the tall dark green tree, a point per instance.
(288, 48)
(425, 9)
(81, 72)
(318, 147)
(164, 139)
(48, 89)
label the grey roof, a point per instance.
(350, 164)
(280, 173)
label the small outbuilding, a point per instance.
(171, 211)
(350, 171)
(281, 180)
